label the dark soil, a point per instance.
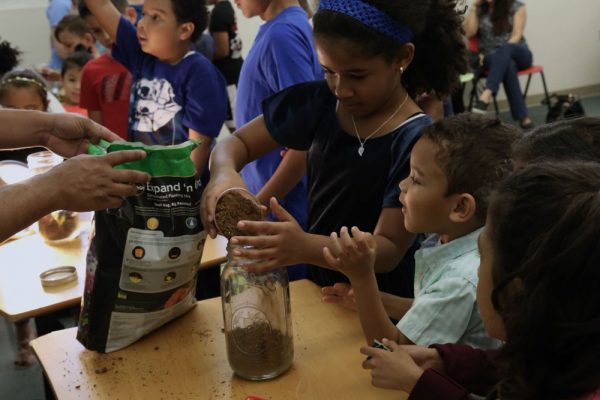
(231, 208)
(258, 351)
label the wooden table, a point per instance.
(186, 359)
(21, 262)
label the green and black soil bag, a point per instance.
(143, 257)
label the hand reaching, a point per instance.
(89, 183)
(340, 293)
(216, 186)
(275, 244)
(69, 134)
(353, 256)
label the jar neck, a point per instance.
(236, 260)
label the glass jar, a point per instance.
(61, 225)
(257, 318)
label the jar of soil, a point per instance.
(59, 226)
(257, 318)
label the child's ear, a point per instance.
(464, 208)
(407, 53)
(89, 39)
(131, 15)
(186, 30)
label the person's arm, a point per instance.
(65, 134)
(343, 294)
(471, 23)
(221, 45)
(395, 306)
(287, 175)
(107, 14)
(519, 20)
(227, 158)
(393, 240)
(354, 256)
(201, 153)
(65, 187)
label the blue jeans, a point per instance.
(502, 66)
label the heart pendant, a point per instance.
(361, 150)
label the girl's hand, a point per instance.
(394, 369)
(217, 185)
(423, 356)
(353, 256)
(276, 244)
(340, 293)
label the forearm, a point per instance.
(23, 203)
(471, 23)
(201, 153)
(289, 172)
(230, 154)
(395, 306)
(389, 254)
(107, 14)
(373, 316)
(19, 130)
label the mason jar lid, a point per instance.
(58, 276)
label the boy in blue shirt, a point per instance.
(176, 94)
(454, 166)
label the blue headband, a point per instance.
(370, 16)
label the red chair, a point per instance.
(473, 45)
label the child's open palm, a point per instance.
(354, 255)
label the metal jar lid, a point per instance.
(58, 276)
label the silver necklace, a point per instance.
(361, 148)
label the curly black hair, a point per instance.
(569, 139)
(440, 52)
(474, 152)
(193, 11)
(544, 228)
(10, 57)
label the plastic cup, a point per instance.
(234, 205)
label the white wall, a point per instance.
(563, 35)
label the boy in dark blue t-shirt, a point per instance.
(176, 94)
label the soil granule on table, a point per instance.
(258, 350)
(231, 208)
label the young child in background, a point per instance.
(282, 55)
(105, 82)
(75, 36)
(70, 78)
(358, 128)
(176, 94)
(23, 90)
(227, 56)
(453, 167)
(569, 139)
(537, 291)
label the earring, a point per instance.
(401, 70)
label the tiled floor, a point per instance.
(27, 384)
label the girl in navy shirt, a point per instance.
(358, 127)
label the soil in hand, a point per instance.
(233, 207)
(258, 352)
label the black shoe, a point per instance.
(480, 107)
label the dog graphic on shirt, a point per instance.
(155, 106)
